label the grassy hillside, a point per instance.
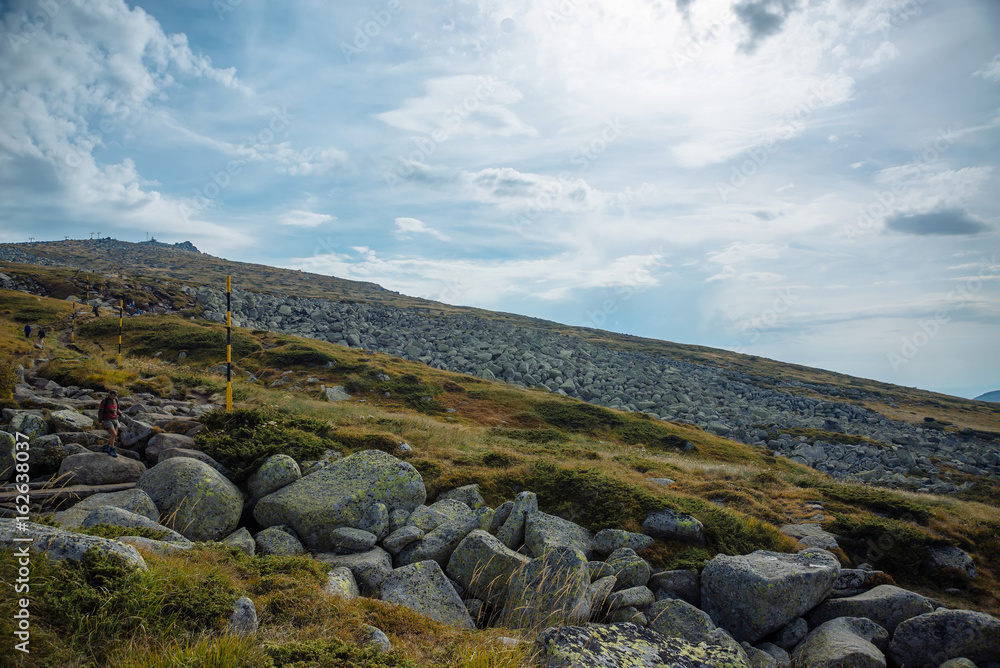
(589, 464)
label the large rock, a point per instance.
(469, 495)
(885, 605)
(161, 442)
(543, 532)
(97, 468)
(131, 500)
(123, 518)
(630, 569)
(629, 645)
(369, 568)
(669, 525)
(69, 420)
(61, 544)
(342, 494)
(439, 544)
(608, 540)
(160, 547)
(675, 618)
(683, 584)
(484, 566)
(847, 641)
(340, 582)
(756, 594)
(242, 541)
(929, 640)
(811, 535)
(511, 533)
(202, 457)
(423, 588)
(136, 434)
(28, 423)
(243, 621)
(49, 452)
(272, 541)
(950, 559)
(400, 538)
(194, 498)
(550, 590)
(276, 472)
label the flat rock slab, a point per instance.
(97, 468)
(423, 588)
(629, 645)
(756, 594)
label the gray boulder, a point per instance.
(276, 472)
(347, 539)
(426, 519)
(373, 636)
(624, 644)
(950, 559)
(242, 541)
(792, 633)
(608, 540)
(675, 618)
(341, 583)
(69, 420)
(633, 597)
(369, 568)
(136, 433)
(60, 544)
(550, 590)
(756, 594)
(543, 532)
(439, 544)
(846, 641)
(683, 584)
(400, 538)
(123, 518)
(469, 495)
(194, 454)
(342, 494)
(195, 499)
(274, 541)
(161, 442)
(669, 525)
(28, 423)
(96, 468)
(929, 640)
(243, 621)
(885, 605)
(335, 393)
(630, 569)
(511, 533)
(160, 547)
(484, 566)
(780, 656)
(500, 516)
(423, 588)
(49, 452)
(811, 535)
(132, 500)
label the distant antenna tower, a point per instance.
(31, 240)
(92, 235)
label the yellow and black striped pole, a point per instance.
(121, 325)
(229, 344)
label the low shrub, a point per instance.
(888, 544)
(542, 435)
(876, 499)
(8, 379)
(114, 531)
(331, 653)
(650, 434)
(578, 416)
(297, 355)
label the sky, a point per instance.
(813, 181)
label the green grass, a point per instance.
(876, 499)
(115, 531)
(895, 546)
(331, 654)
(145, 336)
(297, 355)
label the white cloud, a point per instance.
(990, 71)
(925, 187)
(300, 218)
(407, 227)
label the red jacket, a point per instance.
(108, 409)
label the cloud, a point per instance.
(309, 161)
(763, 18)
(953, 222)
(407, 227)
(990, 71)
(300, 218)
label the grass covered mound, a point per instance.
(148, 335)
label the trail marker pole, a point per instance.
(229, 344)
(121, 321)
(72, 324)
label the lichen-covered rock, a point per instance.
(630, 569)
(123, 518)
(500, 516)
(543, 531)
(166, 441)
(69, 420)
(598, 593)
(636, 597)
(669, 525)
(199, 503)
(203, 457)
(758, 658)
(96, 468)
(369, 568)
(684, 584)
(342, 494)
(347, 539)
(846, 641)
(375, 520)
(511, 533)
(469, 495)
(756, 594)
(276, 472)
(131, 500)
(426, 519)
(242, 541)
(29, 423)
(49, 452)
(629, 645)
(484, 566)
(608, 540)
(60, 544)
(439, 544)
(243, 621)
(400, 538)
(135, 433)
(629, 614)
(951, 559)
(929, 640)
(958, 663)
(780, 656)
(423, 588)
(549, 590)
(675, 618)
(854, 581)
(272, 541)
(374, 637)
(885, 605)
(811, 535)
(341, 583)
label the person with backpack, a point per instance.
(107, 415)
(41, 338)
(27, 331)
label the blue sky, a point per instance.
(810, 181)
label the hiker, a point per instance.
(107, 415)
(27, 331)
(41, 338)
(97, 311)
